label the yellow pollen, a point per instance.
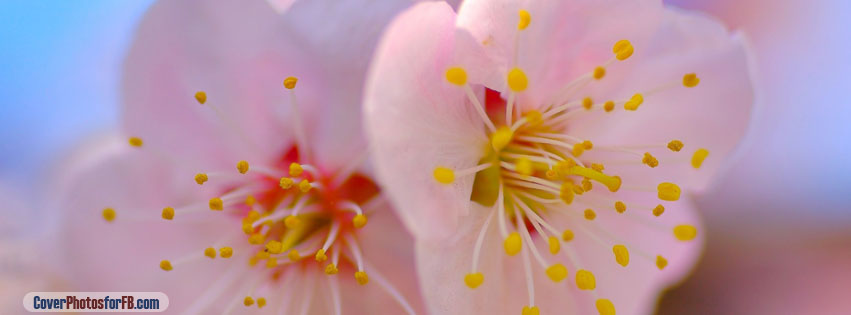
(620, 207)
(555, 245)
(698, 157)
(361, 277)
(165, 265)
(296, 170)
(587, 144)
(456, 75)
(320, 255)
(599, 73)
(242, 167)
(135, 141)
(210, 252)
(261, 302)
(290, 82)
(612, 182)
(623, 49)
(293, 255)
(274, 247)
(690, 80)
(108, 214)
(248, 301)
(621, 255)
(304, 186)
(271, 262)
(292, 221)
(685, 232)
(201, 178)
(567, 235)
(226, 252)
(659, 210)
(201, 97)
(661, 262)
(216, 204)
(501, 137)
(168, 213)
(256, 239)
(253, 261)
(609, 106)
(331, 269)
(286, 183)
(444, 175)
(669, 191)
(578, 149)
(359, 221)
(534, 117)
(250, 200)
(650, 160)
(675, 145)
(590, 215)
(597, 167)
(585, 280)
(566, 193)
(513, 244)
(605, 307)
(586, 184)
(474, 280)
(587, 103)
(552, 174)
(524, 166)
(557, 272)
(635, 101)
(530, 310)
(262, 255)
(517, 80)
(247, 228)
(252, 216)
(525, 19)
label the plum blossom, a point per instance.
(544, 153)
(238, 182)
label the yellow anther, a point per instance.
(359, 221)
(578, 149)
(589, 214)
(331, 269)
(251, 216)
(567, 235)
(263, 255)
(557, 272)
(320, 255)
(661, 262)
(609, 106)
(226, 252)
(242, 167)
(698, 157)
(585, 280)
(210, 252)
(530, 310)
(675, 145)
(534, 117)
(135, 141)
(551, 174)
(517, 80)
(512, 244)
(444, 175)
(690, 80)
(612, 182)
(621, 255)
(566, 194)
(456, 75)
(272, 262)
(599, 73)
(685, 232)
(577, 189)
(168, 213)
(290, 82)
(501, 138)
(286, 182)
(201, 178)
(524, 166)
(274, 247)
(201, 97)
(668, 191)
(623, 49)
(555, 245)
(586, 184)
(649, 160)
(250, 200)
(361, 277)
(635, 101)
(261, 302)
(108, 214)
(605, 307)
(658, 210)
(620, 207)
(253, 261)
(296, 169)
(248, 301)
(587, 144)
(525, 19)
(304, 186)
(474, 280)
(597, 167)
(293, 255)
(165, 265)
(292, 221)
(587, 103)
(216, 204)
(256, 238)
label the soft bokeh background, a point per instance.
(779, 223)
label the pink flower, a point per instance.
(566, 134)
(236, 190)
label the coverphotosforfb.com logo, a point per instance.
(92, 302)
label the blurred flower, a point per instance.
(570, 124)
(240, 192)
